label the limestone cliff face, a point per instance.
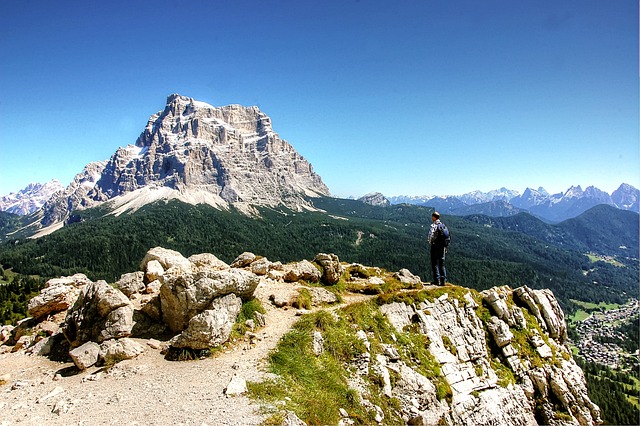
(200, 154)
(503, 355)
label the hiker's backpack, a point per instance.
(444, 237)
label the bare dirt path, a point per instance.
(147, 390)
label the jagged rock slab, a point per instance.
(458, 342)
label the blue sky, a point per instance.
(404, 97)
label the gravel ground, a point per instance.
(147, 390)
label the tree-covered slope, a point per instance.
(9, 222)
(603, 229)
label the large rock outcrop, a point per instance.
(185, 293)
(375, 199)
(198, 299)
(58, 295)
(542, 381)
(303, 270)
(212, 326)
(331, 267)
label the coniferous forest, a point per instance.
(15, 293)
(612, 391)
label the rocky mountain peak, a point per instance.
(477, 197)
(198, 153)
(626, 197)
(530, 197)
(375, 199)
(29, 199)
(180, 111)
(597, 194)
(536, 192)
(574, 192)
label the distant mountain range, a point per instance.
(29, 199)
(552, 208)
(602, 229)
(538, 202)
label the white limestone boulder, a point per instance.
(183, 296)
(86, 355)
(166, 257)
(303, 270)
(331, 267)
(100, 313)
(211, 327)
(116, 350)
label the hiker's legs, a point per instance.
(437, 265)
(435, 273)
(442, 272)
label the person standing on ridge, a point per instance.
(439, 239)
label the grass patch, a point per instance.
(409, 297)
(593, 306)
(369, 289)
(247, 312)
(578, 316)
(443, 390)
(504, 373)
(7, 276)
(249, 309)
(455, 292)
(606, 259)
(303, 300)
(316, 387)
(587, 308)
(449, 345)
(563, 416)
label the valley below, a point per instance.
(601, 341)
